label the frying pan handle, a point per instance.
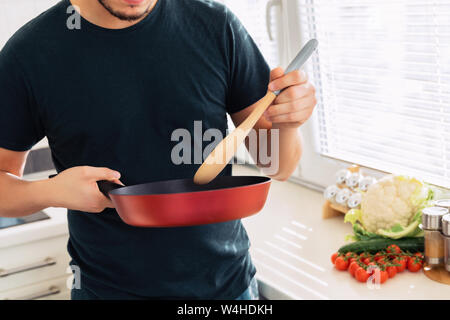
(106, 187)
(103, 185)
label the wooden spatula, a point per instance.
(227, 148)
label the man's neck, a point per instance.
(95, 13)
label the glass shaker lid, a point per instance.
(445, 203)
(432, 217)
(446, 224)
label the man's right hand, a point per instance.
(76, 188)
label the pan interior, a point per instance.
(188, 185)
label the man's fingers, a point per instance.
(304, 103)
(296, 111)
(101, 173)
(291, 79)
(276, 73)
(280, 109)
(294, 93)
(299, 116)
(117, 181)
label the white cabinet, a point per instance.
(54, 289)
(35, 269)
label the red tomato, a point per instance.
(419, 255)
(383, 276)
(341, 264)
(413, 265)
(350, 257)
(378, 256)
(333, 257)
(362, 256)
(380, 275)
(351, 260)
(352, 268)
(361, 275)
(392, 271)
(382, 261)
(367, 261)
(402, 261)
(393, 248)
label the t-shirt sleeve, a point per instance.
(19, 129)
(249, 72)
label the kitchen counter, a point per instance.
(292, 246)
(53, 227)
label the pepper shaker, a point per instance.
(434, 242)
(446, 237)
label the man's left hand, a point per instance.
(294, 105)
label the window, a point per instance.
(260, 18)
(382, 72)
(252, 14)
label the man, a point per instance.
(107, 95)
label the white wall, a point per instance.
(15, 13)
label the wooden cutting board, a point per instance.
(437, 274)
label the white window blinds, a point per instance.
(383, 77)
(252, 14)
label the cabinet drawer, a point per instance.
(33, 262)
(55, 289)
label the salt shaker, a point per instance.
(434, 242)
(446, 238)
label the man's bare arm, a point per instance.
(75, 188)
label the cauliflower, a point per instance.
(390, 208)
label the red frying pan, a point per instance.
(177, 203)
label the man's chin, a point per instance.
(129, 16)
(132, 13)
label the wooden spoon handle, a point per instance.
(226, 149)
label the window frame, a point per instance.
(315, 170)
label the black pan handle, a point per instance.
(104, 186)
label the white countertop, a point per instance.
(292, 246)
(53, 227)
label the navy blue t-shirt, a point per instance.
(112, 98)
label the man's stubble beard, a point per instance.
(124, 17)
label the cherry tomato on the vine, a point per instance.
(402, 262)
(393, 248)
(334, 256)
(392, 271)
(353, 267)
(413, 265)
(341, 263)
(361, 275)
